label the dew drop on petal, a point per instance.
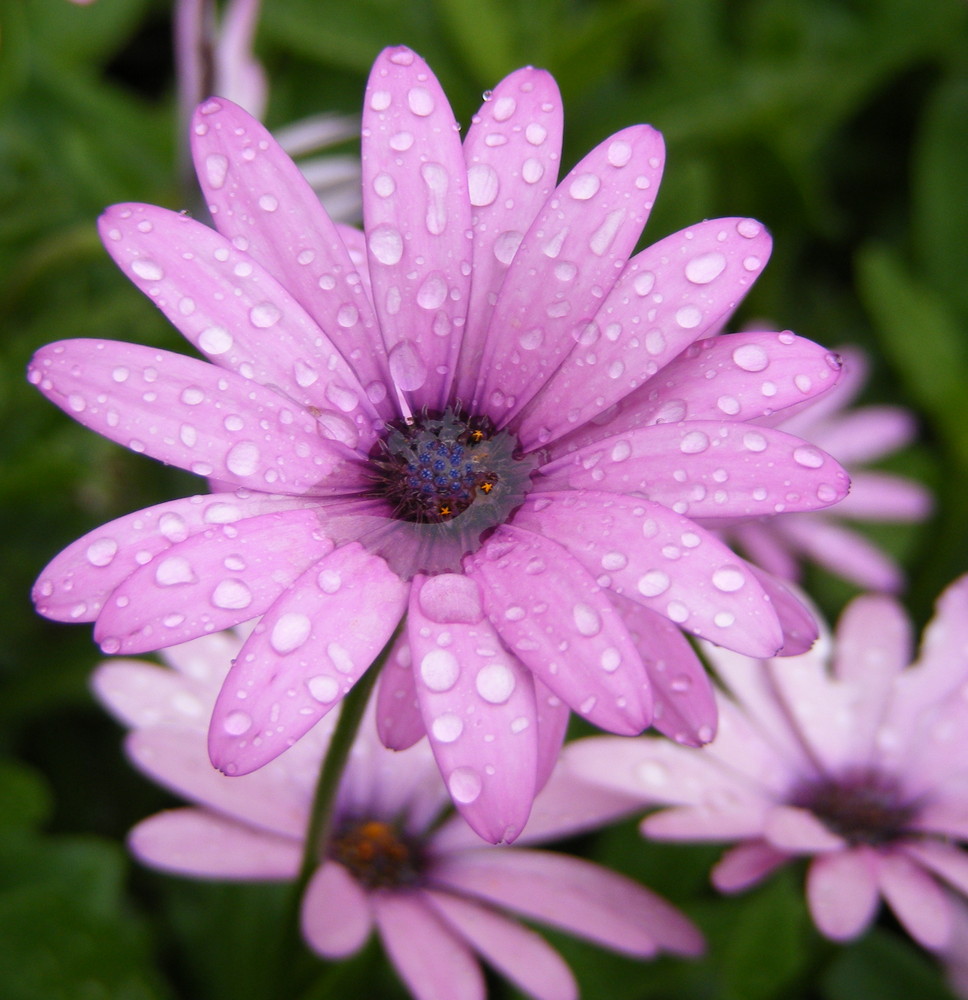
(340, 657)
(482, 184)
(290, 632)
(174, 570)
(495, 683)
(439, 670)
(215, 340)
(751, 358)
(446, 728)
(147, 269)
(464, 785)
(386, 245)
(265, 315)
(102, 551)
(232, 594)
(237, 723)
(323, 688)
(584, 186)
(653, 583)
(216, 167)
(808, 456)
(694, 443)
(243, 458)
(705, 268)
(420, 101)
(586, 619)
(728, 579)
(407, 366)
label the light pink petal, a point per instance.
(672, 293)
(735, 376)
(707, 468)
(239, 74)
(143, 694)
(798, 831)
(800, 627)
(431, 959)
(175, 757)
(944, 859)
(76, 583)
(684, 706)
(880, 496)
(398, 717)
(309, 649)
(573, 253)
(417, 219)
(206, 660)
(512, 152)
(191, 414)
(514, 950)
(843, 551)
(842, 892)
(945, 812)
(260, 201)
(917, 900)
(204, 845)
(662, 560)
(214, 579)
(709, 823)
(228, 307)
(745, 865)
(575, 895)
(553, 717)
(763, 545)
(867, 434)
(355, 242)
(335, 915)
(478, 706)
(553, 614)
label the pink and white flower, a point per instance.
(481, 415)
(844, 755)
(855, 437)
(438, 898)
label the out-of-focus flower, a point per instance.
(438, 897)
(844, 755)
(214, 58)
(482, 415)
(855, 438)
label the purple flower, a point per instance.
(843, 755)
(855, 437)
(482, 415)
(437, 896)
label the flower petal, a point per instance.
(575, 895)
(662, 560)
(868, 433)
(202, 844)
(674, 292)
(228, 306)
(431, 959)
(418, 218)
(944, 859)
(918, 902)
(880, 496)
(745, 865)
(335, 915)
(842, 892)
(512, 151)
(398, 717)
(191, 414)
(553, 716)
(540, 600)
(799, 831)
(706, 468)
(478, 706)
(141, 694)
(214, 579)
(514, 950)
(76, 583)
(260, 200)
(571, 254)
(309, 649)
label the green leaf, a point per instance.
(24, 798)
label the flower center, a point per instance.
(376, 854)
(862, 806)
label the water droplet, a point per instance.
(347, 316)
(215, 340)
(407, 366)
(728, 579)
(268, 202)
(808, 456)
(749, 228)
(401, 141)
(653, 583)
(613, 561)
(380, 100)
(192, 395)
(439, 670)
(482, 184)
(420, 101)
(147, 269)
(504, 107)
(751, 358)
(323, 688)
(584, 186)
(174, 570)
(724, 619)
(618, 153)
(694, 443)
(384, 185)
(243, 458)
(386, 245)
(535, 134)
(236, 723)
(610, 659)
(531, 340)
(532, 170)
(705, 268)
(432, 292)
(754, 441)
(495, 683)
(689, 317)
(340, 657)
(446, 728)
(232, 594)
(216, 167)
(652, 773)
(329, 581)
(465, 785)
(290, 632)
(265, 315)
(102, 551)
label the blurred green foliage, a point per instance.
(841, 124)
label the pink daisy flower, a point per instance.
(438, 898)
(481, 415)
(855, 437)
(843, 755)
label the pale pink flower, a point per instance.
(438, 898)
(855, 437)
(844, 755)
(482, 415)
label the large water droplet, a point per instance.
(439, 670)
(290, 632)
(495, 683)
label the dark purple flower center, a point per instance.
(863, 806)
(377, 854)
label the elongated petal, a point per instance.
(553, 716)
(335, 914)
(674, 292)
(664, 561)
(944, 859)
(842, 892)
(306, 653)
(917, 900)
(398, 717)
(204, 845)
(575, 895)
(478, 706)
(431, 959)
(517, 952)
(260, 200)
(512, 151)
(578, 243)
(880, 496)
(143, 694)
(231, 309)
(707, 468)
(599, 674)
(76, 583)
(191, 414)
(868, 433)
(214, 579)
(799, 831)
(418, 219)
(745, 865)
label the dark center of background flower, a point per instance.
(862, 806)
(376, 854)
